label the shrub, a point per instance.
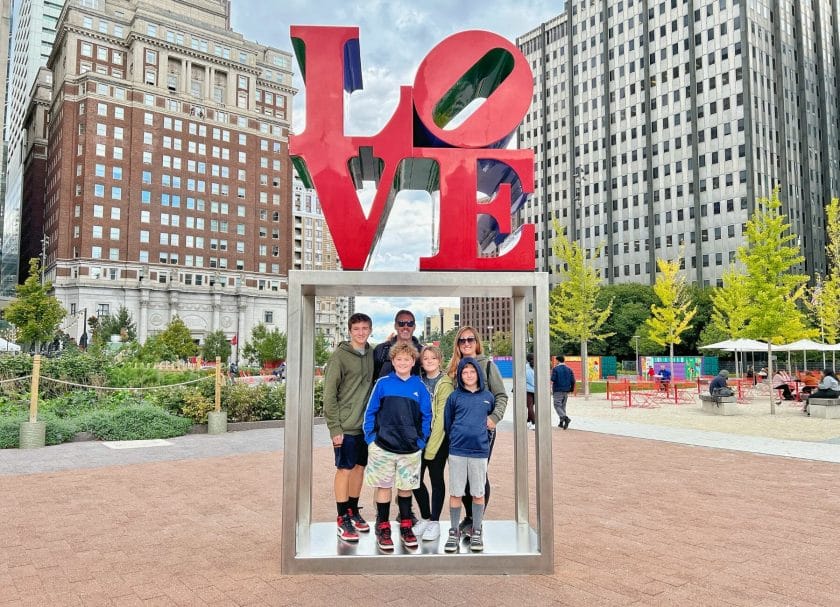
(58, 430)
(136, 423)
(144, 376)
(319, 398)
(271, 403)
(86, 368)
(196, 405)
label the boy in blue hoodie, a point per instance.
(398, 421)
(465, 421)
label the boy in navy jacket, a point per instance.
(398, 421)
(465, 421)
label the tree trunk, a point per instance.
(673, 381)
(584, 365)
(770, 375)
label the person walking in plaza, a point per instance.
(347, 385)
(562, 382)
(404, 325)
(529, 389)
(465, 422)
(440, 386)
(468, 344)
(397, 425)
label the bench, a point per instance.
(826, 408)
(719, 405)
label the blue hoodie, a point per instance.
(399, 414)
(465, 416)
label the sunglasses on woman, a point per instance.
(466, 340)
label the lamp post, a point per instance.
(84, 338)
(490, 344)
(45, 242)
(638, 362)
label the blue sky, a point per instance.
(394, 38)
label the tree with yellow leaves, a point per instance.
(672, 317)
(573, 310)
(824, 300)
(774, 292)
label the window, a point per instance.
(268, 317)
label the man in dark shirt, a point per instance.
(718, 383)
(404, 325)
(562, 382)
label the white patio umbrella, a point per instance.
(738, 345)
(805, 345)
(7, 346)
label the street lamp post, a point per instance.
(490, 333)
(638, 370)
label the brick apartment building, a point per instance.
(168, 181)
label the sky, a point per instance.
(394, 36)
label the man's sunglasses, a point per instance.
(466, 340)
(405, 323)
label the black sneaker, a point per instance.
(465, 528)
(476, 541)
(407, 536)
(452, 541)
(345, 529)
(358, 522)
(383, 536)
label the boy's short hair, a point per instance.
(436, 352)
(357, 318)
(400, 348)
(560, 358)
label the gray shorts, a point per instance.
(462, 469)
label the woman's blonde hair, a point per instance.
(456, 354)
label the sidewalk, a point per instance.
(638, 522)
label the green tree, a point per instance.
(34, 312)
(573, 310)
(824, 299)
(322, 349)
(730, 313)
(631, 307)
(774, 291)
(176, 338)
(672, 317)
(216, 344)
(447, 345)
(502, 343)
(265, 345)
(120, 324)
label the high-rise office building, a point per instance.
(441, 323)
(5, 44)
(314, 250)
(168, 185)
(33, 32)
(657, 124)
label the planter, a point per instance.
(33, 435)
(217, 422)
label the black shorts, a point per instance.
(352, 452)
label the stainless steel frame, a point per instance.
(512, 547)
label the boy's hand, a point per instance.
(491, 425)
(338, 440)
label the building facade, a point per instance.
(5, 44)
(657, 124)
(314, 250)
(444, 321)
(33, 31)
(488, 315)
(168, 184)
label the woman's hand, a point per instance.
(491, 425)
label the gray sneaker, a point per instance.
(452, 541)
(476, 541)
(465, 527)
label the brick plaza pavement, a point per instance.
(638, 522)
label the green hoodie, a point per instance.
(443, 389)
(347, 384)
(496, 385)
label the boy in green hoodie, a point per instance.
(347, 384)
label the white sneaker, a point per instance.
(432, 531)
(531, 425)
(420, 526)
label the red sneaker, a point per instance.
(383, 536)
(358, 522)
(345, 529)
(407, 536)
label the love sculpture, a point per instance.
(478, 255)
(415, 150)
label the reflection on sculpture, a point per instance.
(416, 150)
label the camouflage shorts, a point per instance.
(386, 469)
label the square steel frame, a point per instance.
(309, 547)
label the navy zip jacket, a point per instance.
(562, 379)
(398, 417)
(465, 416)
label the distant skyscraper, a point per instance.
(5, 43)
(168, 186)
(33, 33)
(657, 124)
